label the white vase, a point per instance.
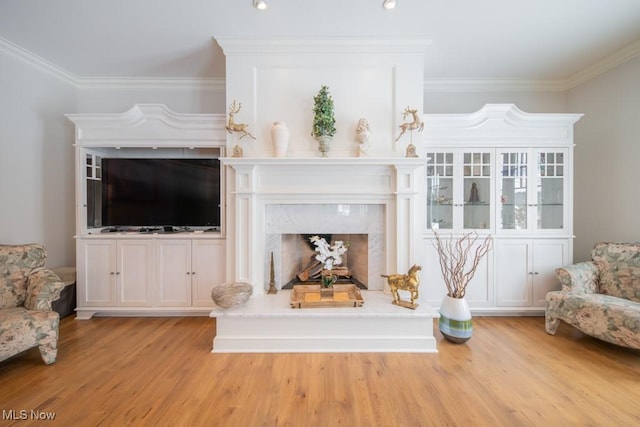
(324, 144)
(280, 138)
(455, 321)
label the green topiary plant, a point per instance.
(323, 119)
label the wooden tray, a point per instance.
(303, 296)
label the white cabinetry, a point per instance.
(187, 270)
(460, 188)
(130, 271)
(479, 294)
(148, 274)
(507, 173)
(115, 273)
(525, 271)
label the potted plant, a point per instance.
(459, 259)
(323, 120)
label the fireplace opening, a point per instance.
(299, 263)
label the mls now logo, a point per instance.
(23, 414)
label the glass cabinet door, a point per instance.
(477, 190)
(550, 183)
(440, 170)
(513, 190)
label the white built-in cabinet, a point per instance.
(505, 173)
(130, 273)
(186, 270)
(526, 270)
(115, 273)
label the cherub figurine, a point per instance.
(362, 136)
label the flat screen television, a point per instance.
(160, 192)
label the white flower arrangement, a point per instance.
(328, 255)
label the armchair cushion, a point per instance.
(581, 277)
(619, 265)
(16, 263)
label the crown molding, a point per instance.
(604, 65)
(301, 45)
(149, 83)
(106, 82)
(493, 85)
(36, 61)
(430, 85)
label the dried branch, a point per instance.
(453, 255)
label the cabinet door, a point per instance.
(208, 260)
(551, 191)
(459, 190)
(440, 187)
(547, 256)
(433, 288)
(513, 190)
(96, 273)
(513, 273)
(477, 190)
(134, 272)
(174, 272)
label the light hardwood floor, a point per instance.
(160, 372)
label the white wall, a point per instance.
(439, 102)
(186, 100)
(607, 158)
(36, 160)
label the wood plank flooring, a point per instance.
(160, 372)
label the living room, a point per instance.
(43, 82)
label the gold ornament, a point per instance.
(406, 282)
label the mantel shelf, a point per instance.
(317, 161)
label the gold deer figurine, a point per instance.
(237, 127)
(417, 123)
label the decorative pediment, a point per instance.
(148, 125)
(499, 122)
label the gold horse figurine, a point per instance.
(417, 123)
(406, 282)
(237, 127)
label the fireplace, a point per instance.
(273, 197)
(361, 226)
(268, 198)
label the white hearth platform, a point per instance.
(268, 324)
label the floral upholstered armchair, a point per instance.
(26, 292)
(600, 297)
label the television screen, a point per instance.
(160, 192)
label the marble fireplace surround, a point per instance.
(359, 224)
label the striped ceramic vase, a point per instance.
(455, 320)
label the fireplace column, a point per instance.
(409, 223)
(241, 224)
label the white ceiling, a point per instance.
(470, 39)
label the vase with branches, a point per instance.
(459, 259)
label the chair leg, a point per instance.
(48, 345)
(550, 323)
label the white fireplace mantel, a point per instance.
(255, 183)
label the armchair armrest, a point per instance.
(43, 287)
(581, 277)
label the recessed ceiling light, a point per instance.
(260, 4)
(389, 4)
